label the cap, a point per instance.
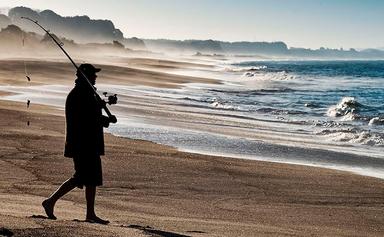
(89, 68)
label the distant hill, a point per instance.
(186, 46)
(4, 21)
(276, 48)
(12, 39)
(16, 42)
(79, 28)
(259, 49)
(218, 47)
(83, 30)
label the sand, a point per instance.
(12, 72)
(154, 190)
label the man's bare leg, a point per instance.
(90, 194)
(49, 203)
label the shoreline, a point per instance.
(364, 165)
(371, 172)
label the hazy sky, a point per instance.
(299, 23)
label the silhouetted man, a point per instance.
(84, 143)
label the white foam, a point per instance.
(243, 69)
(354, 136)
(268, 76)
(346, 109)
(376, 121)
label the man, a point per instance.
(84, 143)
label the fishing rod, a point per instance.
(112, 99)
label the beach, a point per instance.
(156, 190)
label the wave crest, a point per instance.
(218, 104)
(376, 121)
(347, 108)
(269, 76)
(244, 69)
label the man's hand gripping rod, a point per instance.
(112, 118)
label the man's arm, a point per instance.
(105, 121)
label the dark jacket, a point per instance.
(85, 122)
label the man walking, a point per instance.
(84, 143)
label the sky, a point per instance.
(299, 23)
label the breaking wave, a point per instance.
(269, 76)
(261, 72)
(254, 92)
(376, 121)
(347, 109)
(218, 104)
(244, 69)
(213, 103)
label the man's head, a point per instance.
(90, 72)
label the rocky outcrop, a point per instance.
(81, 29)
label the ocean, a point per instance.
(317, 113)
(342, 101)
(321, 113)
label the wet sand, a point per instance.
(154, 190)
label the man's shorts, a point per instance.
(88, 171)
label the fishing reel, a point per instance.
(111, 99)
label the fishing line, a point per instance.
(25, 71)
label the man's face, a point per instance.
(92, 78)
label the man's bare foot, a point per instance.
(95, 219)
(48, 208)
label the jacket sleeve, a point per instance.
(105, 121)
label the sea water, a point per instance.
(343, 100)
(302, 108)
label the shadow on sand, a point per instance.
(153, 232)
(5, 232)
(40, 217)
(146, 229)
